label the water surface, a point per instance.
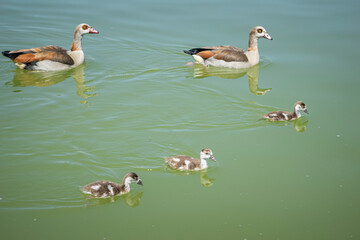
(135, 102)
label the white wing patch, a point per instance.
(198, 59)
(111, 189)
(285, 116)
(187, 162)
(176, 159)
(96, 187)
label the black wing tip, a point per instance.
(195, 51)
(188, 52)
(11, 55)
(6, 53)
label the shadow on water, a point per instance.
(131, 199)
(24, 78)
(232, 73)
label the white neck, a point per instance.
(76, 45)
(253, 42)
(297, 111)
(203, 163)
(127, 184)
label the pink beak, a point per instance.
(93, 31)
(267, 36)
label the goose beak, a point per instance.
(267, 36)
(213, 158)
(93, 31)
(140, 182)
(306, 111)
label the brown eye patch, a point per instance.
(259, 30)
(85, 27)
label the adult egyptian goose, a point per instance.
(287, 116)
(103, 189)
(52, 58)
(182, 162)
(232, 57)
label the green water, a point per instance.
(135, 102)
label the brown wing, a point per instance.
(179, 161)
(230, 54)
(53, 53)
(277, 115)
(101, 188)
(226, 53)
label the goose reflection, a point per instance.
(23, 78)
(131, 199)
(232, 73)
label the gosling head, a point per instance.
(206, 153)
(132, 178)
(301, 106)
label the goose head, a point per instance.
(85, 28)
(260, 32)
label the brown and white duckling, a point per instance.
(232, 57)
(52, 58)
(182, 162)
(286, 116)
(103, 189)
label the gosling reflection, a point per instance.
(131, 199)
(205, 180)
(233, 73)
(299, 124)
(23, 78)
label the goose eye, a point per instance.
(259, 30)
(85, 27)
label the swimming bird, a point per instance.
(286, 116)
(103, 189)
(182, 162)
(52, 58)
(229, 56)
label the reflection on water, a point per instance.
(232, 73)
(81, 89)
(299, 124)
(24, 78)
(205, 180)
(131, 199)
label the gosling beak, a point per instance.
(267, 36)
(140, 182)
(213, 158)
(93, 31)
(306, 111)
